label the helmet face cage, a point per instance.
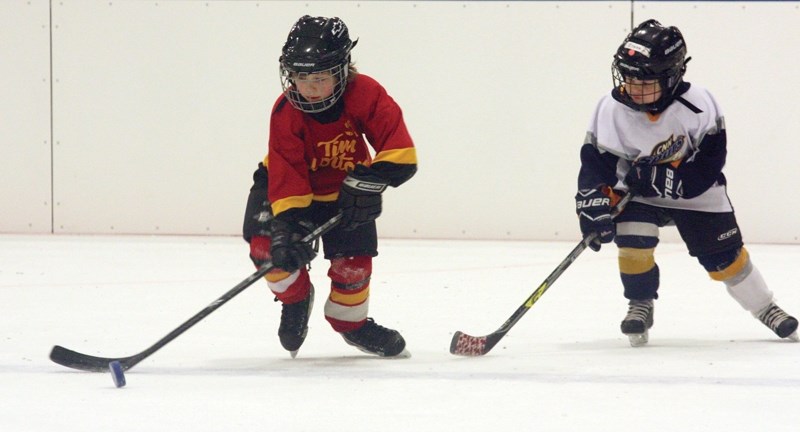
(316, 50)
(290, 78)
(650, 53)
(656, 87)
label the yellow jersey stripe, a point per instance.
(291, 202)
(398, 156)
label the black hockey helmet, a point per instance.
(315, 45)
(650, 52)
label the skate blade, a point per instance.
(293, 353)
(638, 340)
(793, 337)
(403, 355)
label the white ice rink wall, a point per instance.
(149, 117)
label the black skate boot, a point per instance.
(294, 323)
(375, 339)
(783, 324)
(638, 321)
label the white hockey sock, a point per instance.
(749, 289)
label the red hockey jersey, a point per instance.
(308, 159)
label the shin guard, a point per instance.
(744, 283)
(639, 273)
(348, 304)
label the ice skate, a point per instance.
(638, 321)
(294, 323)
(372, 338)
(783, 324)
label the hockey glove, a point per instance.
(360, 197)
(288, 250)
(594, 212)
(661, 180)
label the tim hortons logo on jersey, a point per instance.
(337, 153)
(635, 47)
(727, 235)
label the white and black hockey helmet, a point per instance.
(315, 45)
(650, 52)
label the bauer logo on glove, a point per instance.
(365, 186)
(360, 197)
(592, 202)
(594, 213)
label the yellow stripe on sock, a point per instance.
(350, 298)
(276, 276)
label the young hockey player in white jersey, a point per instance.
(664, 140)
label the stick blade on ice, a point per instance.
(470, 346)
(75, 360)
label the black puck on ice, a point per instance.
(117, 373)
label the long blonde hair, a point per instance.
(352, 71)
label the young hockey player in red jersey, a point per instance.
(664, 140)
(318, 165)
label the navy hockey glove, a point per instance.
(661, 180)
(360, 197)
(594, 212)
(288, 250)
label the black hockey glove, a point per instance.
(661, 180)
(288, 250)
(360, 197)
(594, 212)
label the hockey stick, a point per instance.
(471, 346)
(76, 360)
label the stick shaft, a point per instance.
(464, 344)
(76, 360)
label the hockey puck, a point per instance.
(117, 374)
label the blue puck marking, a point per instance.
(117, 373)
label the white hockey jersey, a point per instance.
(691, 130)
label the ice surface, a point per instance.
(709, 366)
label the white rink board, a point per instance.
(25, 117)
(160, 109)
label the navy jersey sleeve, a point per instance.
(703, 168)
(597, 168)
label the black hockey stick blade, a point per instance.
(472, 346)
(75, 360)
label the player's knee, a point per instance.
(259, 250)
(728, 265)
(633, 261)
(350, 273)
